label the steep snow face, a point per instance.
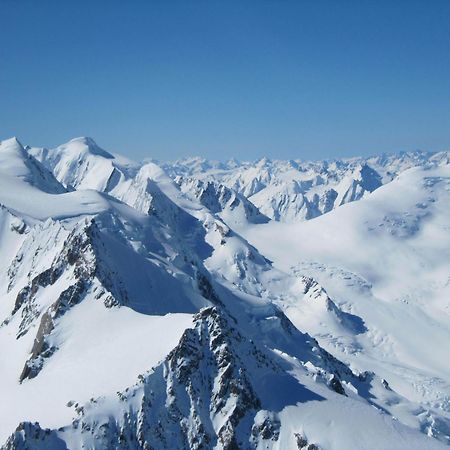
(32, 191)
(15, 163)
(285, 191)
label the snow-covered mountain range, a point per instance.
(198, 304)
(289, 191)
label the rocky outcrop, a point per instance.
(30, 436)
(207, 393)
(201, 396)
(302, 443)
(42, 349)
(80, 256)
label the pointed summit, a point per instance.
(11, 143)
(16, 162)
(11, 149)
(263, 162)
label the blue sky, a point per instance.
(220, 79)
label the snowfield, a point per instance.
(386, 260)
(198, 304)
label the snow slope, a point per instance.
(138, 308)
(386, 261)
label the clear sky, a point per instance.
(220, 79)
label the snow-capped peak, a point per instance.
(16, 163)
(11, 143)
(85, 144)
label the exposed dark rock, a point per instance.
(206, 289)
(269, 428)
(30, 436)
(302, 443)
(336, 385)
(45, 278)
(41, 349)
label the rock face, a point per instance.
(42, 349)
(79, 257)
(208, 391)
(30, 436)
